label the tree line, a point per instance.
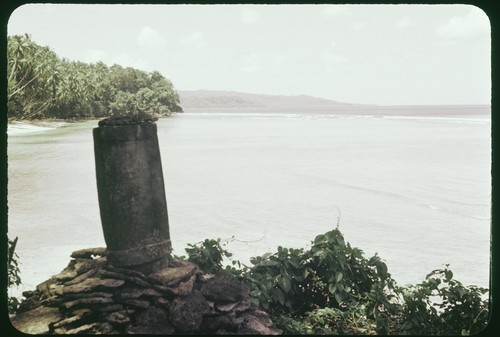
(42, 85)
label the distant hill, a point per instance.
(231, 99)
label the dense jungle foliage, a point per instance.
(42, 85)
(332, 288)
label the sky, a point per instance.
(367, 54)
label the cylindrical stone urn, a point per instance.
(131, 194)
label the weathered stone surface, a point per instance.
(131, 194)
(90, 284)
(224, 287)
(187, 315)
(67, 321)
(142, 304)
(172, 276)
(226, 307)
(106, 299)
(44, 288)
(36, 321)
(74, 296)
(87, 253)
(132, 279)
(184, 288)
(109, 308)
(224, 324)
(118, 318)
(133, 293)
(84, 265)
(263, 317)
(125, 271)
(83, 302)
(82, 277)
(252, 325)
(87, 328)
(162, 302)
(154, 320)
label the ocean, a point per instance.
(413, 188)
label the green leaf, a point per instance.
(284, 283)
(280, 297)
(332, 288)
(339, 276)
(448, 274)
(338, 298)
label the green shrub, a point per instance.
(332, 288)
(442, 305)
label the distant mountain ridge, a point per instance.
(232, 99)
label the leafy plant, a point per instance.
(332, 288)
(208, 255)
(442, 305)
(14, 278)
(42, 85)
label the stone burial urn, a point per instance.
(131, 193)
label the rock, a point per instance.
(36, 321)
(105, 299)
(224, 287)
(67, 321)
(44, 288)
(225, 307)
(263, 317)
(253, 326)
(87, 253)
(89, 285)
(221, 323)
(75, 296)
(161, 302)
(142, 304)
(85, 302)
(118, 318)
(105, 329)
(184, 288)
(187, 315)
(133, 293)
(68, 273)
(109, 308)
(131, 279)
(125, 271)
(84, 265)
(87, 328)
(172, 276)
(81, 277)
(154, 320)
(28, 293)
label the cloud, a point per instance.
(474, 24)
(405, 22)
(195, 39)
(148, 37)
(249, 16)
(332, 56)
(251, 63)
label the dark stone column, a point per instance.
(132, 194)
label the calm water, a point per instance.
(415, 190)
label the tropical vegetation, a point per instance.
(42, 85)
(332, 288)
